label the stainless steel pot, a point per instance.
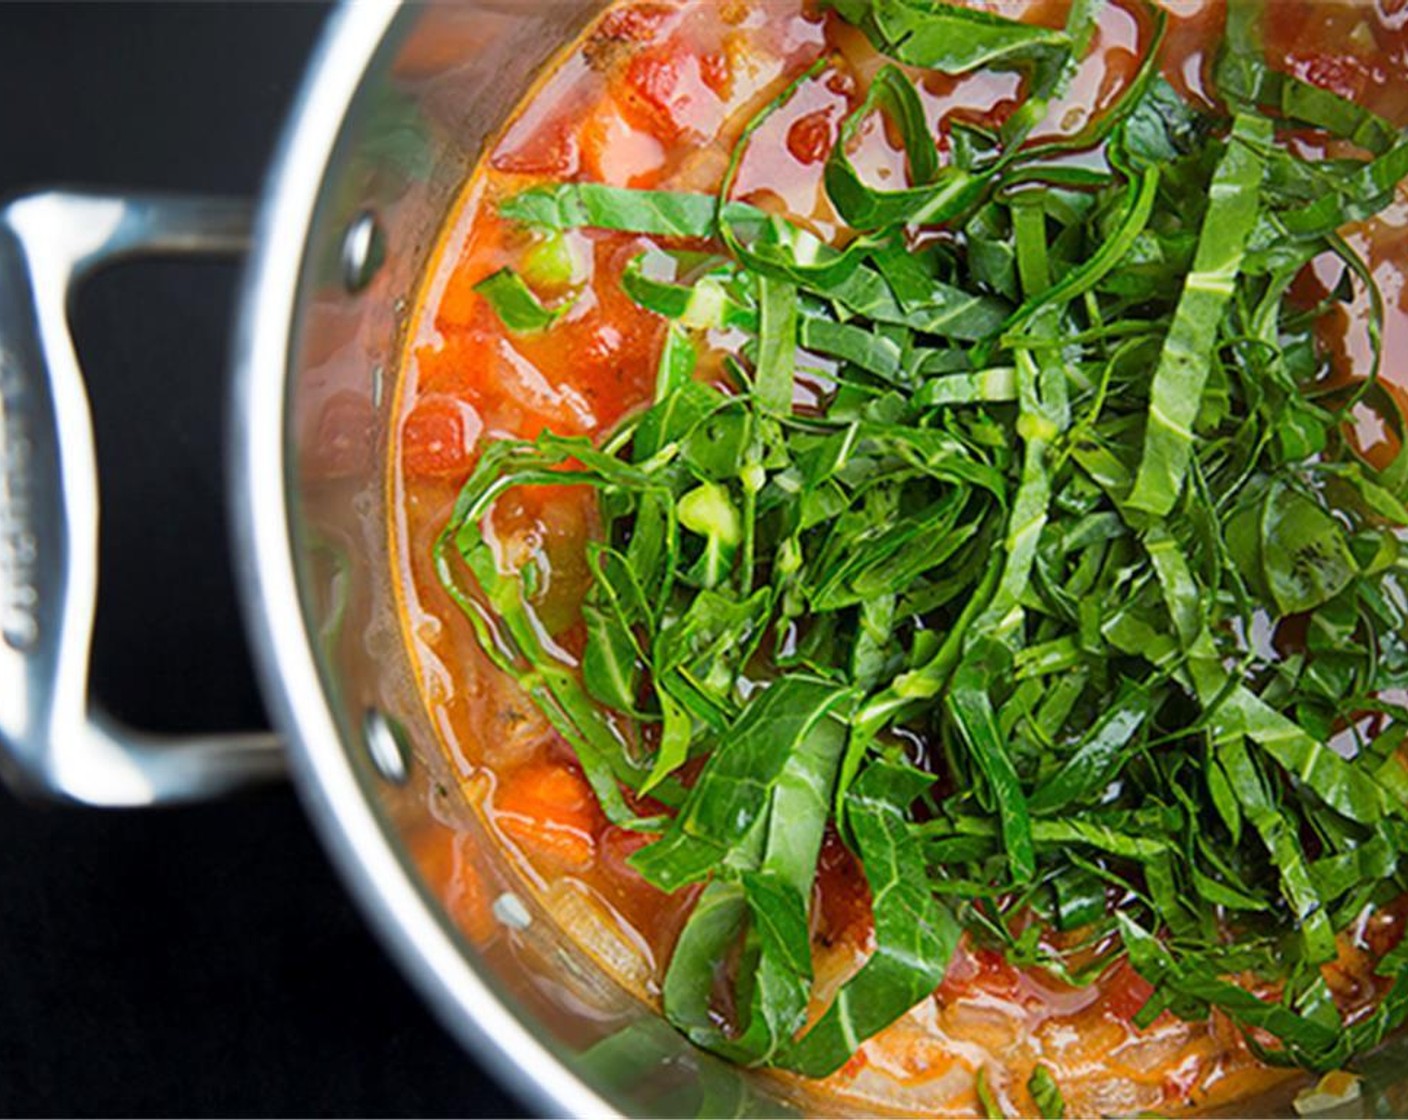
(395, 107)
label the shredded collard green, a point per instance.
(1080, 457)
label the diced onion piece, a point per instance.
(1338, 1087)
(597, 930)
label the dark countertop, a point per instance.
(199, 961)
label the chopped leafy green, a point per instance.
(777, 346)
(733, 792)
(574, 205)
(950, 38)
(915, 933)
(970, 707)
(986, 1099)
(1185, 363)
(517, 305)
(1035, 470)
(937, 194)
(1046, 1094)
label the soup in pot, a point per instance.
(898, 517)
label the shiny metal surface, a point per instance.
(52, 739)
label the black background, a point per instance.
(198, 961)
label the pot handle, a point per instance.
(53, 740)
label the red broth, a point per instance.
(654, 95)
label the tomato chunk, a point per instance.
(440, 436)
(616, 151)
(652, 82)
(550, 811)
(978, 970)
(634, 23)
(664, 91)
(716, 68)
(617, 847)
(1125, 991)
(1339, 73)
(811, 137)
(550, 149)
(842, 894)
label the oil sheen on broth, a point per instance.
(654, 96)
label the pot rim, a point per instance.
(260, 475)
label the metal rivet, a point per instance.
(363, 251)
(388, 745)
(510, 911)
